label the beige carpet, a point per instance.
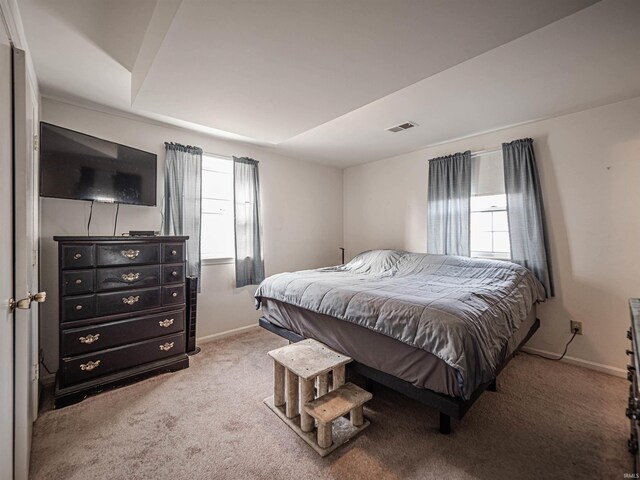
(547, 420)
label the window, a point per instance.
(217, 237)
(489, 223)
(490, 227)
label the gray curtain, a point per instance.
(248, 231)
(448, 205)
(527, 227)
(183, 198)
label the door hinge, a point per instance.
(36, 143)
(36, 373)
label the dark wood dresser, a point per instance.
(121, 314)
(633, 408)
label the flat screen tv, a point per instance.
(81, 167)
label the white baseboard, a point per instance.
(228, 333)
(615, 371)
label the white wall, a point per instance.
(302, 217)
(589, 164)
(590, 167)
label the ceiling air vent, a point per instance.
(401, 127)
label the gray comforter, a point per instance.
(460, 309)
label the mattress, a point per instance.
(414, 365)
(462, 310)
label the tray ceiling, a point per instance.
(323, 80)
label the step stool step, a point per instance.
(337, 403)
(308, 358)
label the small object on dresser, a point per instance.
(143, 233)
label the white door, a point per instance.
(26, 264)
(6, 262)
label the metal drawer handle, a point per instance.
(130, 277)
(78, 307)
(174, 274)
(89, 365)
(173, 252)
(78, 281)
(77, 256)
(89, 339)
(166, 347)
(130, 254)
(131, 300)
(166, 322)
(174, 294)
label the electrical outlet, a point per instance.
(576, 327)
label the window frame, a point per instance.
(492, 254)
(214, 260)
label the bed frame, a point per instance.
(447, 406)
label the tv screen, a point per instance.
(78, 166)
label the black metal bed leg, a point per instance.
(369, 384)
(493, 386)
(445, 424)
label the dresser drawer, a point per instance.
(172, 252)
(77, 341)
(79, 307)
(128, 277)
(92, 365)
(128, 254)
(77, 256)
(173, 295)
(173, 273)
(127, 301)
(75, 282)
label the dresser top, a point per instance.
(127, 239)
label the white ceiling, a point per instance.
(322, 80)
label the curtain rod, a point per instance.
(226, 157)
(483, 152)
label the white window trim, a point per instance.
(217, 261)
(491, 256)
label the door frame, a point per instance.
(7, 431)
(21, 136)
(26, 259)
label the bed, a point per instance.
(436, 328)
